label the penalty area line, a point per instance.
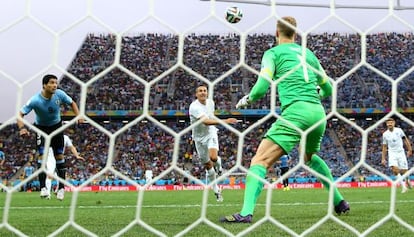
(199, 205)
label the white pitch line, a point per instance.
(198, 205)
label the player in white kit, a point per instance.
(393, 140)
(51, 167)
(205, 135)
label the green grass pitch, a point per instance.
(172, 212)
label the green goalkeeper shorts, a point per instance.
(301, 115)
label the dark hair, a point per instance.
(201, 85)
(47, 78)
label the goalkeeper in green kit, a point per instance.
(298, 76)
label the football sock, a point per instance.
(253, 189)
(218, 164)
(211, 174)
(285, 181)
(48, 184)
(61, 172)
(402, 181)
(319, 165)
(41, 176)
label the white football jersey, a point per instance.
(393, 139)
(67, 142)
(197, 110)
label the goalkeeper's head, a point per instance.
(286, 27)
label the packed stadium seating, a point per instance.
(147, 146)
(149, 55)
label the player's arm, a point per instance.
(2, 161)
(263, 81)
(75, 152)
(408, 146)
(69, 101)
(210, 121)
(265, 77)
(384, 154)
(20, 124)
(325, 88)
(75, 109)
(323, 83)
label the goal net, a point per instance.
(133, 71)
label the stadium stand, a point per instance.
(117, 96)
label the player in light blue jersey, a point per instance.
(47, 105)
(284, 163)
(28, 170)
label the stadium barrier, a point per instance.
(98, 188)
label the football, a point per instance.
(233, 14)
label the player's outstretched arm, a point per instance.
(212, 121)
(22, 129)
(75, 109)
(325, 89)
(75, 152)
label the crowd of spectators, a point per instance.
(147, 57)
(147, 146)
(214, 58)
(352, 142)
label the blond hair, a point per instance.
(287, 26)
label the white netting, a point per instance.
(180, 65)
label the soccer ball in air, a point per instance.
(233, 14)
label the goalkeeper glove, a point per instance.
(243, 102)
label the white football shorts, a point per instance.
(202, 148)
(398, 159)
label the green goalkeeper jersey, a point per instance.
(295, 75)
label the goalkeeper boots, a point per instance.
(237, 218)
(342, 208)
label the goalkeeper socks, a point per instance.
(211, 175)
(253, 189)
(319, 165)
(61, 172)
